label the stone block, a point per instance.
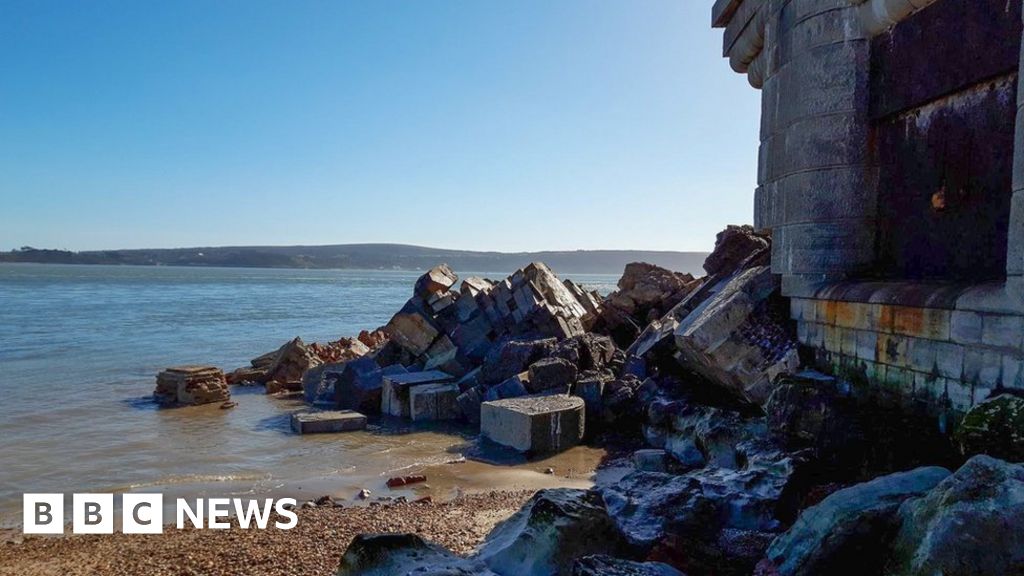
(550, 374)
(965, 327)
(327, 422)
(982, 368)
(429, 402)
(358, 386)
(949, 359)
(395, 391)
(1002, 331)
(469, 404)
(436, 280)
(535, 424)
(510, 388)
(412, 330)
(867, 345)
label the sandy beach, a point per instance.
(313, 547)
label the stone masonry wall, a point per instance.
(946, 358)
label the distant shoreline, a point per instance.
(376, 257)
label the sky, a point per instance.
(482, 125)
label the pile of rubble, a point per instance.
(191, 386)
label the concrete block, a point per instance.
(965, 327)
(535, 424)
(395, 393)
(1002, 331)
(327, 422)
(429, 402)
(650, 460)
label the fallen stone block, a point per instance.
(438, 279)
(469, 404)
(396, 388)
(191, 385)
(412, 329)
(513, 387)
(358, 386)
(737, 339)
(434, 402)
(535, 424)
(318, 382)
(327, 422)
(551, 373)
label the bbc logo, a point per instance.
(93, 513)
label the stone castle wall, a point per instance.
(875, 232)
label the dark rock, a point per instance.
(469, 404)
(994, 427)
(358, 385)
(646, 292)
(649, 506)
(733, 247)
(403, 555)
(510, 388)
(601, 565)
(971, 524)
(851, 527)
(553, 529)
(550, 374)
(514, 357)
(588, 352)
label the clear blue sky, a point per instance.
(513, 125)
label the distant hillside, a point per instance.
(367, 256)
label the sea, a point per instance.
(80, 347)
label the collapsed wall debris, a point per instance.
(191, 385)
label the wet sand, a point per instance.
(468, 497)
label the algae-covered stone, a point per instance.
(994, 427)
(850, 527)
(971, 524)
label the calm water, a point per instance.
(80, 347)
